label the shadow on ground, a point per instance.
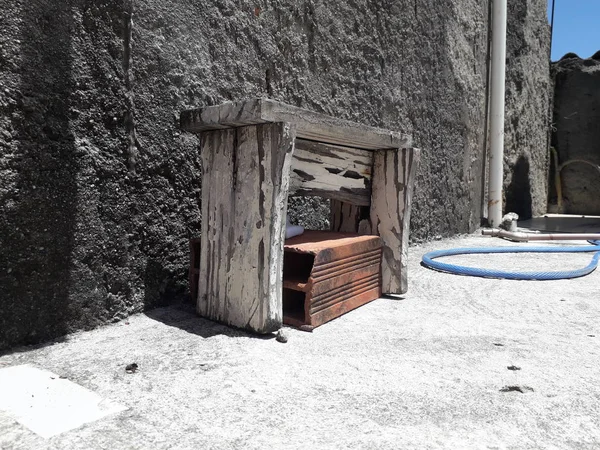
(394, 297)
(184, 317)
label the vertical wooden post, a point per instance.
(344, 217)
(394, 174)
(348, 218)
(245, 180)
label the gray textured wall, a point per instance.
(577, 136)
(99, 189)
(527, 109)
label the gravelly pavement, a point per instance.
(429, 370)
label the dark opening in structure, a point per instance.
(297, 266)
(293, 305)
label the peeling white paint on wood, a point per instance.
(334, 172)
(310, 125)
(394, 172)
(249, 149)
(244, 202)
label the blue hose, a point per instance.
(428, 261)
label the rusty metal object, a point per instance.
(326, 274)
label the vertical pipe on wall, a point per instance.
(486, 131)
(497, 112)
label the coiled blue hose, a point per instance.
(428, 260)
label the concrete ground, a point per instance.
(429, 370)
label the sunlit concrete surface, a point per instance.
(47, 404)
(455, 363)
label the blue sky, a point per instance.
(576, 27)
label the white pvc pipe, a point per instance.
(521, 236)
(497, 112)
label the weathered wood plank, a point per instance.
(393, 179)
(244, 200)
(216, 151)
(349, 218)
(310, 125)
(329, 171)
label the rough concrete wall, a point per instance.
(577, 136)
(100, 191)
(92, 227)
(527, 111)
(416, 66)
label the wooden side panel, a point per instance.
(344, 217)
(330, 171)
(348, 218)
(244, 200)
(394, 174)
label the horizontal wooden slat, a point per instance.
(339, 173)
(309, 125)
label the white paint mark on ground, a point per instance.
(47, 404)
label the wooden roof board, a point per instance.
(309, 125)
